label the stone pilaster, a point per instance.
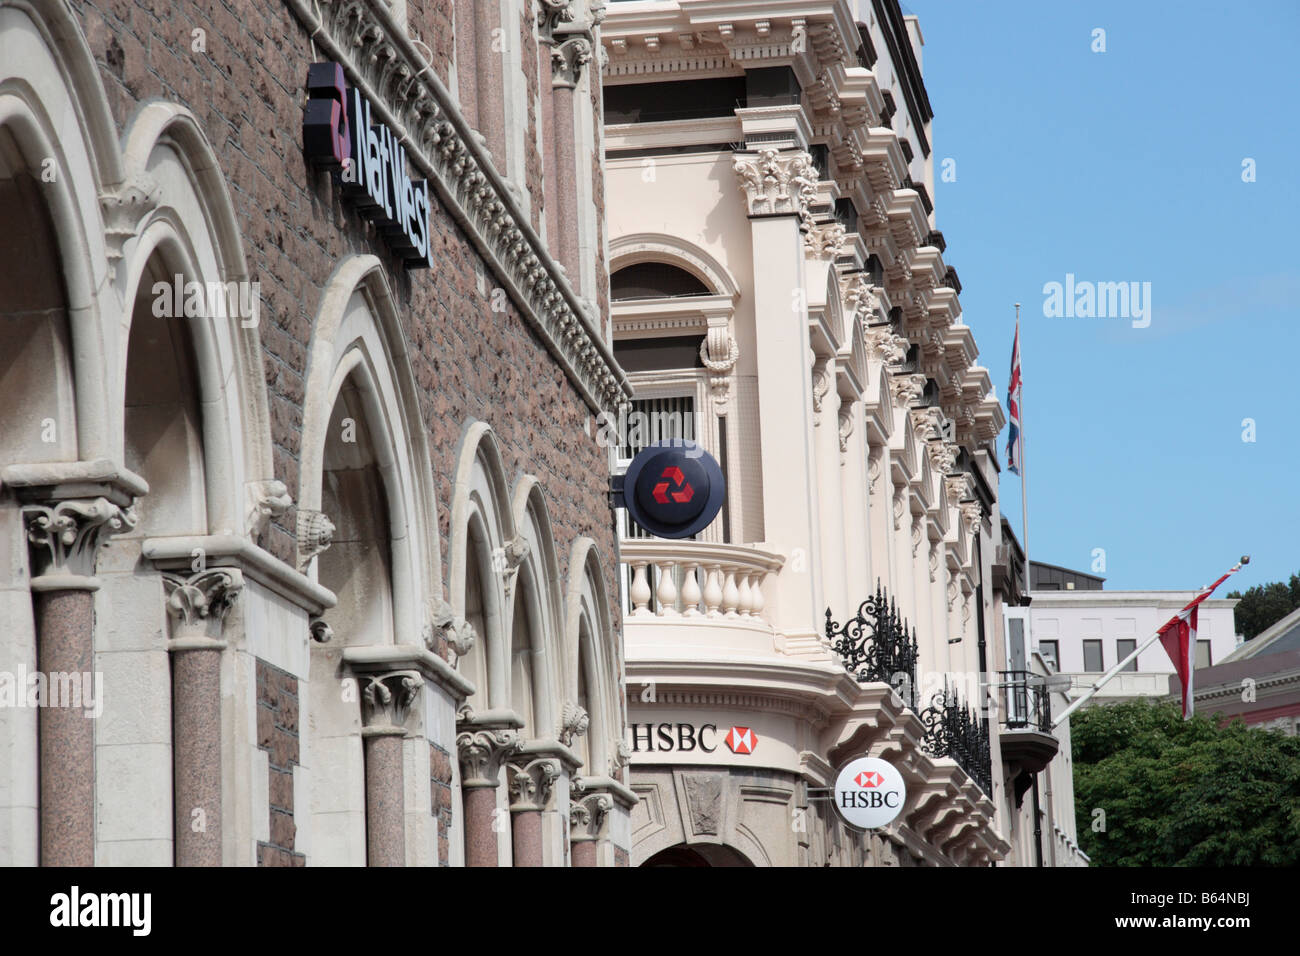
(64, 537)
(385, 703)
(567, 62)
(482, 751)
(197, 606)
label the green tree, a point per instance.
(1264, 605)
(1183, 793)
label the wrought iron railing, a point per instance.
(875, 645)
(954, 730)
(1025, 705)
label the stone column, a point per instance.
(482, 751)
(64, 537)
(586, 820)
(567, 61)
(386, 701)
(197, 605)
(531, 785)
(778, 188)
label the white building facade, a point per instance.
(780, 293)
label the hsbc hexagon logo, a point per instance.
(868, 778)
(741, 740)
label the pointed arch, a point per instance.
(591, 644)
(539, 588)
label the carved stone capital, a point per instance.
(777, 183)
(387, 698)
(972, 514)
(315, 534)
(532, 783)
(574, 721)
(824, 240)
(124, 207)
(550, 14)
(959, 486)
(198, 603)
(482, 752)
(927, 423)
(943, 456)
(266, 500)
(567, 60)
(887, 346)
(64, 537)
(587, 815)
(907, 389)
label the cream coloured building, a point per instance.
(780, 293)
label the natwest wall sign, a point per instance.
(338, 133)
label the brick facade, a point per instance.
(277, 734)
(440, 780)
(246, 87)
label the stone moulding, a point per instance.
(407, 95)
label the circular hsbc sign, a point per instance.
(869, 793)
(673, 488)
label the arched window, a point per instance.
(654, 280)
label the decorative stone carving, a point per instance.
(926, 422)
(824, 240)
(704, 802)
(719, 353)
(387, 698)
(972, 514)
(777, 183)
(266, 500)
(883, 343)
(874, 458)
(943, 456)
(900, 500)
(959, 487)
(567, 60)
(587, 814)
(66, 535)
(124, 207)
(481, 753)
(315, 534)
(457, 631)
(197, 599)
(574, 721)
(550, 14)
(821, 382)
(934, 562)
(907, 389)
(622, 756)
(531, 783)
(916, 534)
(846, 426)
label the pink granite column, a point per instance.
(530, 788)
(64, 538)
(567, 62)
(493, 43)
(482, 751)
(198, 605)
(386, 702)
(586, 820)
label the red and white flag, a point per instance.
(1178, 637)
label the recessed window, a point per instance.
(1203, 654)
(1050, 652)
(654, 280)
(1092, 659)
(1123, 648)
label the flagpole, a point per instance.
(1105, 678)
(1024, 476)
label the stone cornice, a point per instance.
(406, 94)
(382, 658)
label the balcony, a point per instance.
(1028, 744)
(697, 579)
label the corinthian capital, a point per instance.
(824, 240)
(567, 61)
(777, 183)
(587, 815)
(387, 698)
(550, 14)
(531, 783)
(198, 603)
(481, 754)
(65, 536)
(907, 389)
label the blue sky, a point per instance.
(1127, 166)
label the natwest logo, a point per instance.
(338, 133)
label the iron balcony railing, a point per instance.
(954, 730)
(1026, 703)
(875, 645)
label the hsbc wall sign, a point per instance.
(338, 133)
(685, 738)
(869, 793)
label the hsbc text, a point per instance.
(869, 798)
(669, 737)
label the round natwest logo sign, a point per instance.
(673, 488)
(869, 793)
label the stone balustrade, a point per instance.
(696, 578)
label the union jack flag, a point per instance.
(1015, 443)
